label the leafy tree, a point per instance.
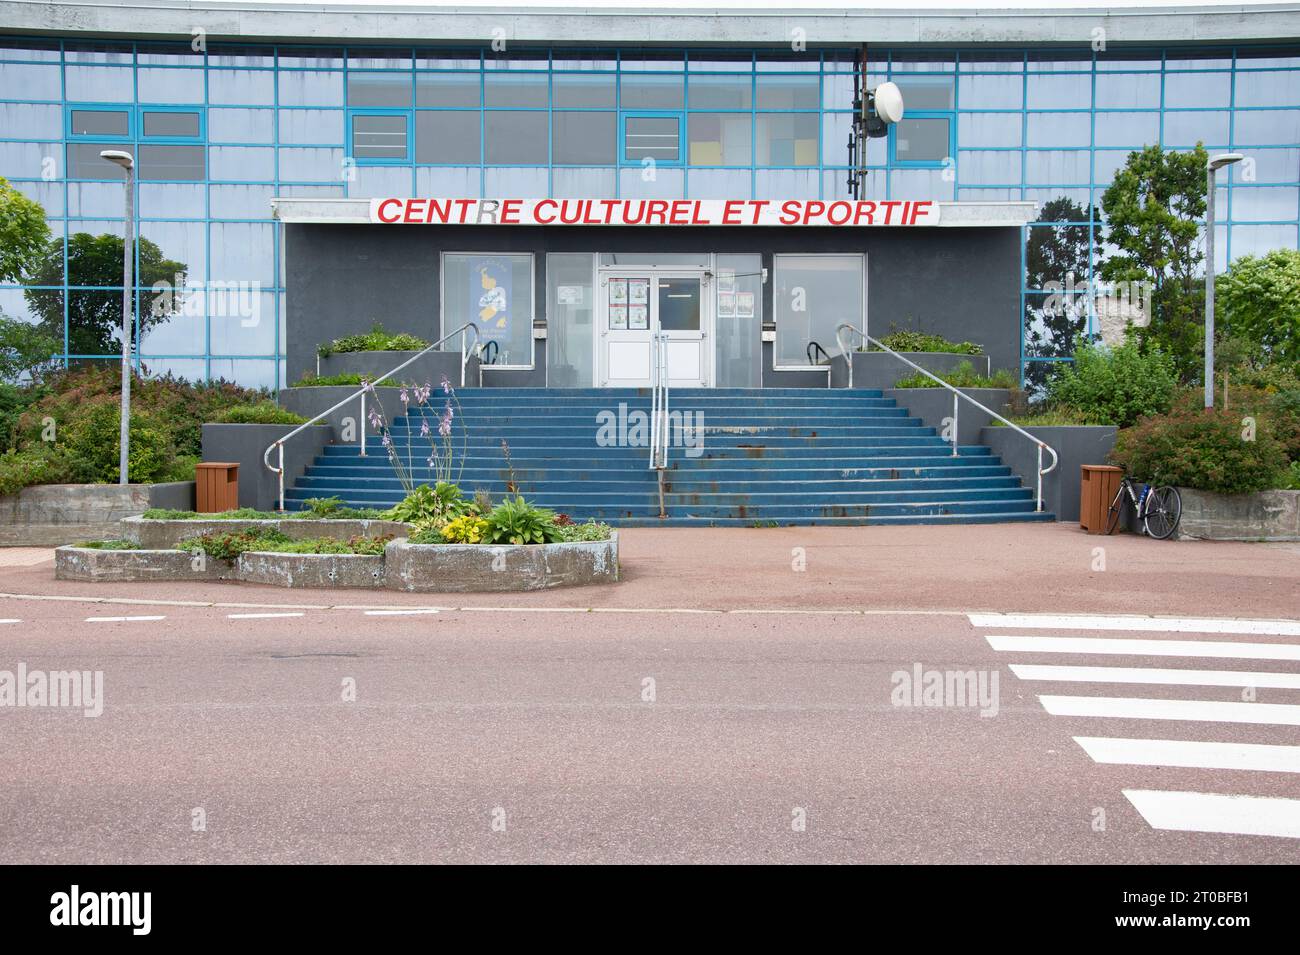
(23, 232)
(1154, 210)
(1258, 300)
(1056, 259)
(25, 348)
(94, 316)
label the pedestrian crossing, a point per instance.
(1151, 703)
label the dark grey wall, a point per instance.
(962, 283)
(1076, 447)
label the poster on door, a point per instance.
(638, 318)
(491, 298)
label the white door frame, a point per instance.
(600, 340)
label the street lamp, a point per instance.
(1214, 165)
(123, 159)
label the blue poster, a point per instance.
(491, 298)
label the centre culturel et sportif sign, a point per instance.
(656, 212)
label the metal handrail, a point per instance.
(956, 394)
(463, 331)
(659, 412)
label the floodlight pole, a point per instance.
(1215, 163)
(124, 159)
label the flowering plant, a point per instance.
(417, 403)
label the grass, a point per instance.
(228, 545)
(1055, 418)
(109, 545)
(348, 378)
(327, 511)
(263, 412)
(963, 376)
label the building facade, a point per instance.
(262, 135)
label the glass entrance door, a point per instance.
(638, 304)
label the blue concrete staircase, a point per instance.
(773, 456)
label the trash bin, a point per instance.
(216, 487)
(1098, 484)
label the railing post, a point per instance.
(464, 337)
(280, 475)
(1039, 506)
(956, 410)
(363, 424)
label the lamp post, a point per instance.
(1214, 165)
(123, 159)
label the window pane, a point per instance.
(787, 139)
(1058, 129)
(921, 140)
(569, 300)
(495, 292)
(178, 125)
(1268, 89)
(653, 137)
(583, 90)
(989, 129)
(1066, 91)
(679, 304)
(378, 137)
(811, 295)
(1128, 129)
(787, 92)
(738, 335)
(1193, 126)
(172, 162)
(447, 136)
(719, 139)
(1280, 127)
(516, 137)
(84, 162)
(515, 89)
(927, 92)
(93, 122)
(651, 92)
(719, 92)
(585, 138)
(447, 89)
(1197, 89)
(379, 89)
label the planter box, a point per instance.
(429, 369)
(311, 570)
(933, 405)
(878, 369)
(46, 515)
(245, 444)
(1076, 445)
(460, 568)
(1261, 516)
(122, 566)
(152, 534)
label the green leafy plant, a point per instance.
(589, 531)
(1114, 385)
(428, 505)
(1259, 301)
(377, 339)
(110, 545)
(515, 521)
(262, 412)
(963, 376)
(228, 545)
(466, 529)
(1206, 450)
(1290, 480)
(37, 465)
(910, 340)
(353, 379)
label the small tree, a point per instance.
(1258, 300)
(1154, 210)
(25, 349)
(23, 233)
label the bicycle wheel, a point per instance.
(1116, 509)
(1164, 508)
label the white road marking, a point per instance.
(11, 620)
(400, 613)
(1156, 675)
(1215, 812)
(1192, 754)
(263, 616)
(1125, 622)
(1158, 648)
(1210, 711)
(122, 619)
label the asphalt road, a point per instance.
(529, 733)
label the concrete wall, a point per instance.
(961, 283)
(1076, 446)
(1264, 515)
(51, 514)
(933, 405)
(244, 444)
(878, 369)
(428, 369)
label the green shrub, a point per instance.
(37, 465)
(110, 545)
(263, 412)
(239, 514)
(518, 522)
(360, 544)
(590, 531)
(374, 340)
(1114, 385)
(93, 443)
(429, 505)
(1199, 449)
(963, 376)
(349, 379)
(907, 340)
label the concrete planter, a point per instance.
(154, 534)
(47, 515)
(934, 406)
(1261, 516)
(89, 563)
(318, 571)
(245, 444)
(447, 568)
(428, 369)
(1076, 445)
(878, 369)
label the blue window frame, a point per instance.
(651, 134)
(379, 137)
(923, 133)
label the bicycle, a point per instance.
(1157, 508)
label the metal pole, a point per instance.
(1209, 289)
(363, 424)
(128, 295)
(955, 407)
(1039, 506)
(280, 475)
